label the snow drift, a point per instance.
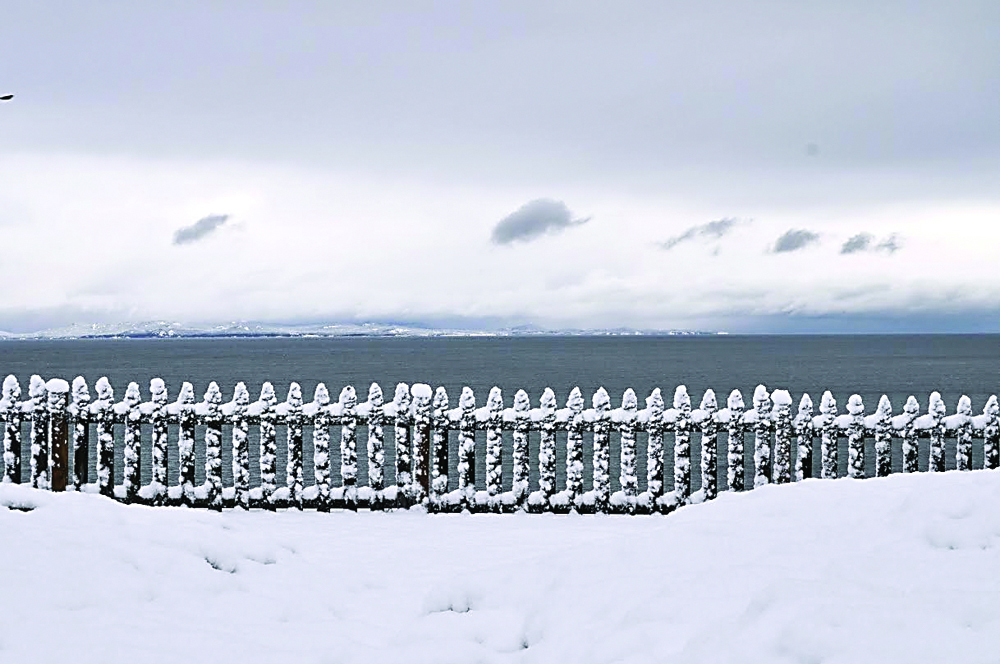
(902, 568)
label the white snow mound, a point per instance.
(821, 570)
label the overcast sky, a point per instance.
(758, 166)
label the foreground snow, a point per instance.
(903, 568)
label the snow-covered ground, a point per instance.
(898, 569)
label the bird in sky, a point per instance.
(6, 97)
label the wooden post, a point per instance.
(936, 410)
(376, 446)
(828, 415)
(158, 418)
(963, 434)
(401, 434)
(320, 412)
(804, 439)
(521, 468)
(539, 500)
(735, 464)
(883, 437)
(102, 411)
(130, 411)
(187, 420)
(654, 452)
(211, 413)
(574, 444)
(37, 435)
(241, 445)
(494, 448)
(625, 499)
(467, 448)
(682, 446)
(783, 429)
(762, 436)
(856, 437)
(422, 396)
(10, 409)
(439, 450)
(909, 434)
(57, 391)
(265, 407)
(80, 414)
(348, 402)
(991, 433)
(292, 410)
(602, 450)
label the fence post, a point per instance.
(266, 408)
(963, 435)
(539, 500)
(649, 500)
(735, 463)
(187, 420)
(625, 499)
(804, 439)
(856, 437)
(422, 395)
(79, 412)
(10, 408)
(376, 446)
(293, 467)
(401, 434)
(104, 420)
(158, 418)
(762, 437)
(494, 448)
(348, 402)
(709, 426)
(828, 415)
(682, 446)
(574, 445)
(467, 448)
(909, 434)
(782, 470)
(520, 461)
(883, 438)
(439, 450)
(212, 414)
(241, 445)
(991, 433)
(129, 409)
(602, 450)
(936, 410)
(37, 435)
(320, 412)
(57, 391)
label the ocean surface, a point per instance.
(895, 365)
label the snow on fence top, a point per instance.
(59, 418)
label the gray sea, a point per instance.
(895, 365)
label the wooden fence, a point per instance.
(59, 421)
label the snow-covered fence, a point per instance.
(60, 421)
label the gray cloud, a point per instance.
(859, 242)
(794, 240)
(890, 245)
(534, 219)
(713, 230)
(199, 229)
(866, 242)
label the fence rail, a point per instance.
(59, 420)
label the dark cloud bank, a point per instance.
(712, 230)
(200, 229)
(533, 220)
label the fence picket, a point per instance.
(10, 409)
(80, 414)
